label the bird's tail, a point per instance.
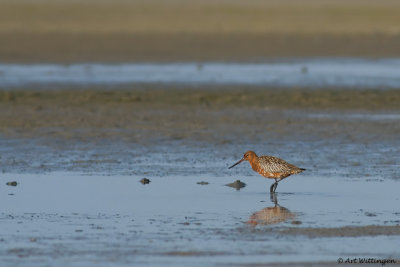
(297, 170)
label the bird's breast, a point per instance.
(274, 175)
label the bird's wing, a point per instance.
(274, 164)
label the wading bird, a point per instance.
(270, 167)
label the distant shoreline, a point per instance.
(170, 31)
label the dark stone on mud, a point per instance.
(145, 181)
(13, 183)
(237, 184)
(202, 183)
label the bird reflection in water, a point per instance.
(271, 215)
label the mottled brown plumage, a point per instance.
(270, 167)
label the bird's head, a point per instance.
(248, 156)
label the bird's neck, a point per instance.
(254, 163)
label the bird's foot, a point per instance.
(273, 198)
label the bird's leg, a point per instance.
(273, 187)
(276, 183)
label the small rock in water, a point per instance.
(145, 181)
(237, 184)
(202, 183)
(13, 183)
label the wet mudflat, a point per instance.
(173, 132)
(79, 200)
(70, 219)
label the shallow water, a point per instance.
(65, 218)
(79, 202)
(85, 205)
(325, 72)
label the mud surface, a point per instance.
(373, 230)
(122, 131)
(78, 156)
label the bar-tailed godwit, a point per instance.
(270, 167)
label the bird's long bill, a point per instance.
(236, 164)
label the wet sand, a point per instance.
(214, 97)
(124, 125)
(183, 112)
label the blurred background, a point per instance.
(189, 30)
